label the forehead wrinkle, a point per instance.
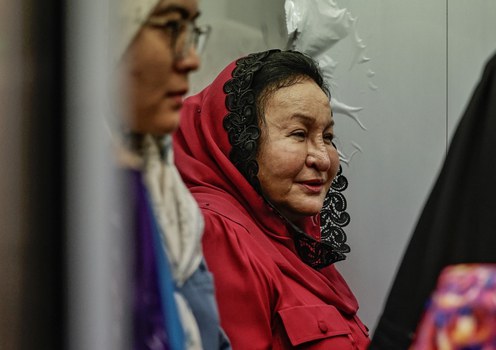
(297, 105)
(306, 119)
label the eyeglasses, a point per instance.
(183, 35)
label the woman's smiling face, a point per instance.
(297, 160)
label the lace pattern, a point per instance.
(243, 131)
(333, 217)
(332, 246)
(241, 123)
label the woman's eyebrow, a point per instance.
(165, 10)
(305, 119)
(302, 118)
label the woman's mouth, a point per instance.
(313, 186)
(177, 99)
(177, 96)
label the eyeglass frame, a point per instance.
(194, 36)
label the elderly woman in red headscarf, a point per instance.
(256, 150)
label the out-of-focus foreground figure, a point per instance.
(174, 305)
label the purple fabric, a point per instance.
(149, 325)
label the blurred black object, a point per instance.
(42, 323)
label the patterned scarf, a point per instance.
(177, 213)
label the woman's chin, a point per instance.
(166, 124)
(299, 215)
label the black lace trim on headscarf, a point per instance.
(333, 217)
(241, 124)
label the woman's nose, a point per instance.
(319, 158)
(189, 62)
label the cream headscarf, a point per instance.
(132, 15)
(180, 220)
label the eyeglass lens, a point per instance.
(193, 37)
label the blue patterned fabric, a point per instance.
(199, 292)
(156, 322)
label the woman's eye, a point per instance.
(172, 27)
(328, 138)
(300, 135)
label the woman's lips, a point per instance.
(177, 96)
(176, 99)
(313, 187)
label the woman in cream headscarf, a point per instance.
(174, 305)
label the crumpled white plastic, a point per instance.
(316, 25)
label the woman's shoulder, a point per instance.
(219, 208)
(230, 233)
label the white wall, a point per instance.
(471, 41)
(425, 58)
(238, 28)
(405, 139)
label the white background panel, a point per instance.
(405, 138)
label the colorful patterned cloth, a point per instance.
(461, 314)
